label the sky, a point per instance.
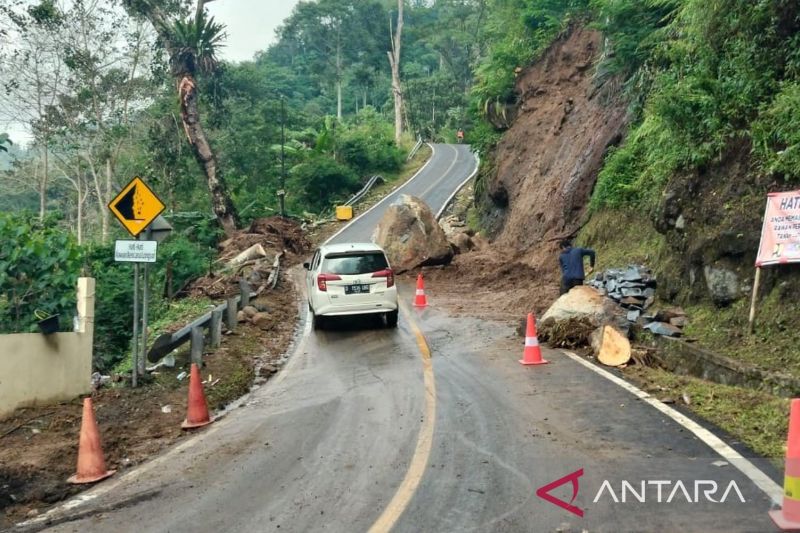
(250, 27)
(250, 24)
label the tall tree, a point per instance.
(333, 35)
(394, 63)
(192, 45)
(32, 74)
(104, 79)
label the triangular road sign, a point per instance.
(136, 206)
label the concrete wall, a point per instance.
(683, 358)
(38, 369)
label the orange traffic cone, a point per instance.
(91, 463)
(197, 410)
(533, 352)
(420, 300)
(788, 518)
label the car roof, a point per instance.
(349, 247)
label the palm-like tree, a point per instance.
(192, 45)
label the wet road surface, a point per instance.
(343, 440)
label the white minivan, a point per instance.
(350, 279)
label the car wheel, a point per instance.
(316, 322)
(391, 319)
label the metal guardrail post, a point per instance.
(215, 328)
(231, 320)
(415, 149)
(244, 289)
(197, 346)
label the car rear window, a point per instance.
(354, 263)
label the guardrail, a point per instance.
(415, 149)
(226, 311)
(364, 190)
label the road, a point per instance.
(447, 169)
(430, 427)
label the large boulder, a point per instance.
(582, 302)
(570, 321)
(411, 236)
(723, 285)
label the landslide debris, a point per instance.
(250, 255)
(537, 183)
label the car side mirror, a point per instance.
(307, 266)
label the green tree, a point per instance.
(332, 35)
(192, 45)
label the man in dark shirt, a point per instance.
(571, 261)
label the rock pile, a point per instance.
(634, 289)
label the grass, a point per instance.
(237, 371)
(757, 419)
(474, 219)
(772, 347)
(621, 238)
(171, 313)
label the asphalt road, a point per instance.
(446, 170)
(430, 427)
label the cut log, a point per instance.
(610, 346)
(254, 252)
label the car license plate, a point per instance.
(356, 289)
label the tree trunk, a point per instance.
(338, 76)
(190, 115)
(339, 99)
(101, 206)
(43, 185)
(106, 199)
(187, 93)
(394, 63)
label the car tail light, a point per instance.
(388, 274)
(323, 279)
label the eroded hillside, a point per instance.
(536, 186)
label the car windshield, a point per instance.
(354, 263)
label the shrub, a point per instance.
(39, 267)
(318, 181)
(776, 134)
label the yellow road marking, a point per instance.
(422, 453)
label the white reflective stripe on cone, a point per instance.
(420, 292)
(531, 341)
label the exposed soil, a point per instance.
(539, 182)
(274, 234)
(38, 446)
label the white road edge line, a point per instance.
(759, 478)
(412, 178)
(461, 185)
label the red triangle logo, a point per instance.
(544, 492)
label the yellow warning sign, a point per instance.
(136, 206)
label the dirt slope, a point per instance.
(541, 176)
